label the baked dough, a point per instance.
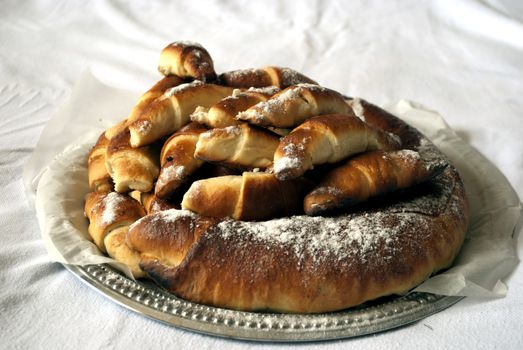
(310, 264)
(290, 107)
(244, 241)
(187, 60)
(327, 139)
(238, 147)
(369, 175)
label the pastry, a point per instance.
(343, 202)
(252, 196)
(110, 214)
(145, 100)
(369, 175)
(238, 147)
(131, 168)
(187, 60)
(295, 104)
(171, 111)
(327, 139)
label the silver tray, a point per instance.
(151, 301)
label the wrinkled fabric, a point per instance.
(463, 58)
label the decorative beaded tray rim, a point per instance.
(151, 301)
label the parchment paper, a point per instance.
(56, 182)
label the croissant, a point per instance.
(177, 159)
(251, 196)
(280, 77)
(187, 60)
(238, 147)
(99, 178)
(110, 214)
(294, 105)
(327, 139)
(368, 175)
(131, 168)
(149, 96)
(171, 111)
(223, 113)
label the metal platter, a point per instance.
(153, 302)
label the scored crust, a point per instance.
(317, 264)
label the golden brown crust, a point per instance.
(295, 104)
(280, 77)
(327, 139)
(368, 175)
(171, 111)
(108, 211)
(132, 168)
(145, 100)
(167, 235)
(260, 252)
(177, 159)
(187, 60)
(245, 280)
(118, 249)
(241, 147)
(251, 196)
(99, 178)
(326, 263)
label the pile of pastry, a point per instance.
(249, 145)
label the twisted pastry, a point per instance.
(131, 168)
(294, 105)
(110, 214)
(171, 111)
(368, 175)
(187, 60)
(238, 147)
(249, 197)
(143, 102)
(327, 139)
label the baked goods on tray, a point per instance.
(259, 189)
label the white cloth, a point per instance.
(463, 58)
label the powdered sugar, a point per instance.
(111, 204)
(291, 77)
(144, 126)
(182, 87)
(268, 90)
(261, 110)
(165, 216)
(355, 237)
(172, 172)
(285, 163)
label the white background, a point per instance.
(461, 58)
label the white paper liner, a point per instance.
(488, 255)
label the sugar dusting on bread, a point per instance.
(111, 204)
